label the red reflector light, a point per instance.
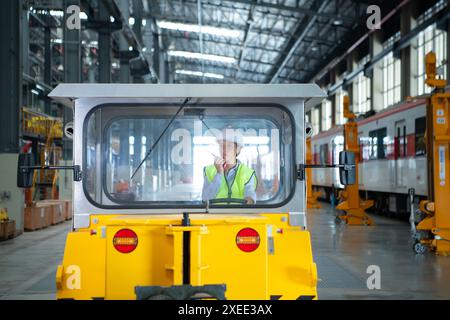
(247, 240)
(125, 241)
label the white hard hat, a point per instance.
(231, 134)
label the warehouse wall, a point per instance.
(15, 203)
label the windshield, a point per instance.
(223, 155)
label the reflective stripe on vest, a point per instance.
(234, 189)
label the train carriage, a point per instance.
(392, 157)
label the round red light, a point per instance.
(247, 240)
(125, 241)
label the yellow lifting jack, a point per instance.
(311, 196)
(433, 229)
(351, 203)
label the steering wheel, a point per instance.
(227, 201)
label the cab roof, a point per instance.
(67, 93)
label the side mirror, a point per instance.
(309, 130)
(24, 174)
(347, 173)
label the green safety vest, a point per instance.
(236, 188)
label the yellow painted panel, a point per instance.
(151, 263)
(292, 272)
(441, 158)
(84, 261)
(216, 259)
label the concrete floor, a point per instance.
(342, 253)
(28, 263)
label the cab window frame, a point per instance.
(173, 204)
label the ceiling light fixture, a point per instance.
(57, 13)
(200, 74)
(196, 28)
(196, 55)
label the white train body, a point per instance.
(392, 155)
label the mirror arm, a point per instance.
(77, 174)
(301, 168)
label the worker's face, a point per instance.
(228, 151)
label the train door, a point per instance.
(400, 153)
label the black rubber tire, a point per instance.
(160, 297)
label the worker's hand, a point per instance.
(219, 163)
(249, 201)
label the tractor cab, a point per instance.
(154, 217)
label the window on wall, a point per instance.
(430, 12)
(391, 68)
(315, 121)
(362, 90)
(430, 39)
(326, 115)
(340, 94)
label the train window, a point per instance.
(324, 154)
(378, 144)
(364, 145)
(420, 136)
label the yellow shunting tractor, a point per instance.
(148, 223)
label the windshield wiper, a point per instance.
(160, 136)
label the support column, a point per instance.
(333, 99)
(408, 59)
(170, 72)
(163, 78)
(72, 53)
(25, 42)
(137, 29)
(48, 66)
(320, 117)
(137, 14)
(333, 110)
(72, 69)
(11, 59)
(352, 90)
(104, 44)
(11, 79)
(376, 47)
(353, 207)
(156, 55)
(123, 46)
(351, 65)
